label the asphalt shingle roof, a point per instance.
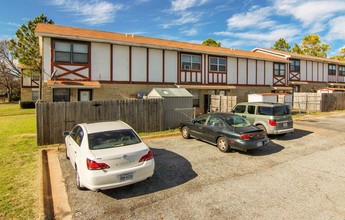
(52, 30)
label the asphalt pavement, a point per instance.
(298, 176)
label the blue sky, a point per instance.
(240, 24)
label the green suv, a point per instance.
(274, 118)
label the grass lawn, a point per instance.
(19, 185)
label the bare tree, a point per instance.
(9, 73)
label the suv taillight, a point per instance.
(146, 157)
(272, 122)
(93, 165)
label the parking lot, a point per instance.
(298, 176)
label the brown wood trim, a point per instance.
(201, 66)
(130, 64)
(55, 64)
(136, 82)
(264, 72)
(306, 69)
(163, 65)
(205, 69)
(52, 46)
(70, 64)
(237, 70)
(318, 69)
(279, 80)
(147, 64)
(178, 68)
(73, 72)
(111, 62)
(247, 72)
(89, 59)
(312, 70)
(323, 72)
(256, 72)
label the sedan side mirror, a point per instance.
(66, 133)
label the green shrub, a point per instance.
(27, 104)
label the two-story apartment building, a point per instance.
(81, 65)
(309, 73)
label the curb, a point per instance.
(53, 200)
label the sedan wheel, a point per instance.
(185, 132)
(78, 183)
(222, 144)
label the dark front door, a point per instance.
(207, 100)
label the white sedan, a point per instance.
(107, 155)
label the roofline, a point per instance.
(154, 46)
(297, 56)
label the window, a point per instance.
(279, 69)
(61, 95)
(201, 120)
(112, 139)
(265, 110)
(71, 52)
(215, 122)
(331, 69)
(240, 109)
(295, 66)
(251, 109)
(191, 62)
(296, 88)
(35, 95)
(77, 135)
(217, 64)
(196, 100)
(341, 70)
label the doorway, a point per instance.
(85, 95)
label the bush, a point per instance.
(27, 104)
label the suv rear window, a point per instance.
(281, 110)
(275, 111)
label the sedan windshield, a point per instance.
(111, 139)
(237, 121)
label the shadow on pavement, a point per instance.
(270, 148)
(298, 133)
(171, 170)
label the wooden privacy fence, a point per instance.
(220, 103)
(55, 117)
(333, 101)
(307, 102)
(324, 102)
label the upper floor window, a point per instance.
(191, 62)
(295, 66)
(331, 69)
(279, 69)
(71, 52)
(217, 64)
(341, 70)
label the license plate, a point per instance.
(285, 124)
(259, 144)
(127, 176)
